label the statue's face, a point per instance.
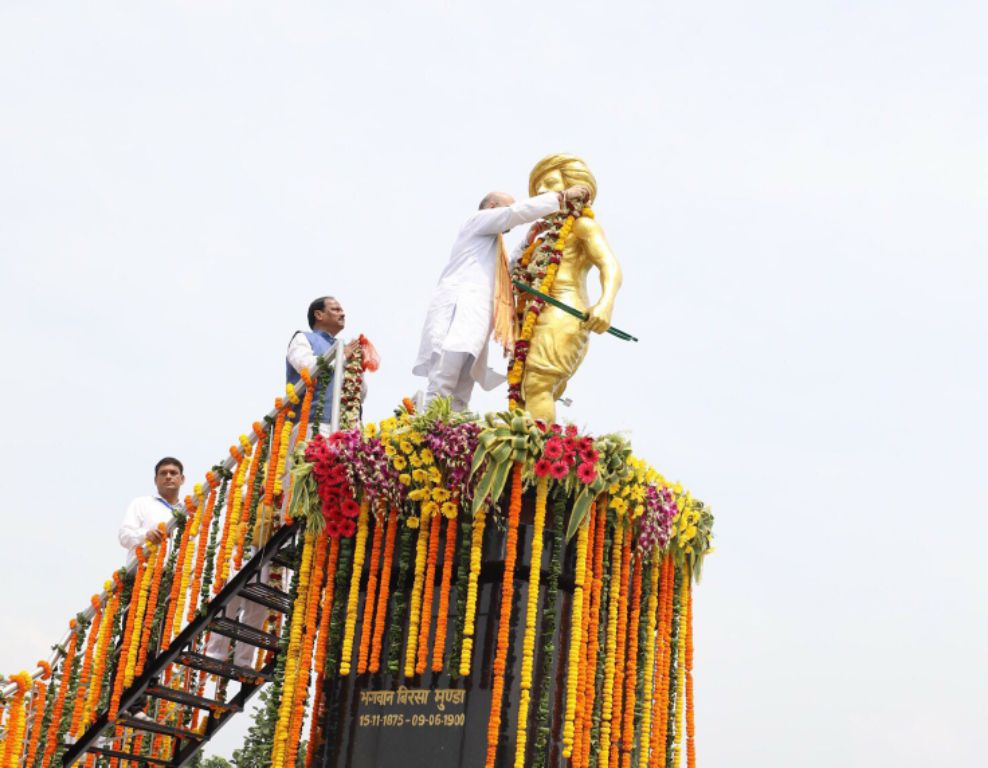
(553, 181)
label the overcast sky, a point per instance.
(797, 193)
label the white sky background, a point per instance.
(796, 192)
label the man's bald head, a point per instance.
(496, 200)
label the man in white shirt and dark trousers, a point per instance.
(140, 523)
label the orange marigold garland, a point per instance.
(203, 534)
(449, 556)
(425, 623)
(16, 721)
(257, 460)
(531, 620)
(325, 609)
(370, 598)
(576, 635)
(690, 724)
(593, 627)
(78, 710)
(40, 695)
(681, 604)
(631, 677)
(381, 611)
(504, 618)
(51, 738)
(584, 629)
(660, 721)
(359, 553)
(265, 515)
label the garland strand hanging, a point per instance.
(381, 610)
(370, 598)
(504, 619)
(531, 618)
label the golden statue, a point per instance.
(552, 343)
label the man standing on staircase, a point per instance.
(326, 321)
(140, 523)
(474, 298)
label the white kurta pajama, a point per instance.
(458, 324)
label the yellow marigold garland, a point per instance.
(152, 601)
(470, 609)
(649, 689)
(531, 621)
(622, 647)
(308, 640)
(575, 640)
(231, 528)
(415, 604)
(428, 593)
(138, 605)
(516, 369)
(180, 579)
(359, 554)
(279, 747)
(610, 658)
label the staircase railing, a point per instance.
(61, 719)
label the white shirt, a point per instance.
(460, 311)
(300, 354)
(143, 516)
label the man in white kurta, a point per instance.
(453, 350)
(140, 523)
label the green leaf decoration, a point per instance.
(579, 512)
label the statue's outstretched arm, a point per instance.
(601, 256)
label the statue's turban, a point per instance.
(572, 168)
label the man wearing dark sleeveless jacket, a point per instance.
(326, 321)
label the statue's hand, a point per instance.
(599, 318)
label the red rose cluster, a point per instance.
(333, 485)
(565, 450)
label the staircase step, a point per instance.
(128, 756)
(285, 557)
(189, 699)
(221, 668)
(153, 726)
(244, 632)
(267, 596)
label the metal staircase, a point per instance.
(181, 653)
